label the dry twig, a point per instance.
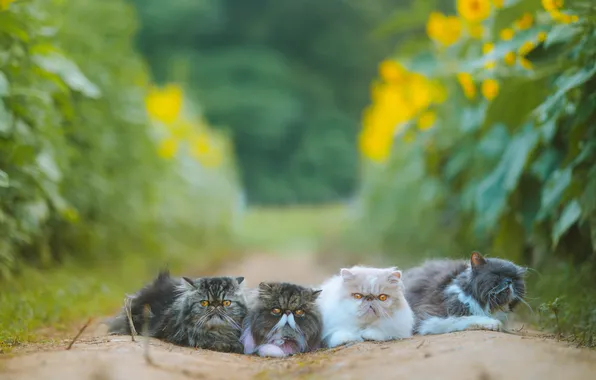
(128, 309)
(79, 333)
(146, 311)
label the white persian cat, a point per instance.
(364, 304)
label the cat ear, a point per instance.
(264, 286)
(191, 282)
(239, 280)
(346, 274)
(315, 293)
(477, 260)
(395, 277)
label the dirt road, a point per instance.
(468, 355)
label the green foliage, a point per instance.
(287, 78)
(516, 176)
(79, 170)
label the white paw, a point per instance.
(372, 334)
(342, 337)
(271, 350)
(486, 324)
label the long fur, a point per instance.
(456, 295)
(283, 320)
(348, 319)
(178, 316)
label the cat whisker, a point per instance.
(525, 303)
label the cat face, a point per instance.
(216, 301)
(287, 316)
(377, 292)
(496, 282)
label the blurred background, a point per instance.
(138, 134)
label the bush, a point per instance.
(483, 138)
(82, 169)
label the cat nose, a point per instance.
(288, 312)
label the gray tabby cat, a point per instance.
(455, 295)
(283, 320)
(205, 313)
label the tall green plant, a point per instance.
(506, 161)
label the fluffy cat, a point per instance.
(204, 313)
(455, 295)
(364, 304)
(283, 320)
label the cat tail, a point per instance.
(159, 295)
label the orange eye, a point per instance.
(299, 312)
(227, 303)
(357, 296)
(204, 303)
(383, 297)
(276, 311)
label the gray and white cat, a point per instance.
(456, 295)
(204, 313)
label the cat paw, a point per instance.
(271, 350)
(371, 334)
(342, 337)
(487, 324)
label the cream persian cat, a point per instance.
(364, 304)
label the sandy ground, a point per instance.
(467, 355)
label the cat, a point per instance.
(283, 320)
(364, 303)
(204, 313)
(455, 295)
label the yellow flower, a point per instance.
(541, 37)
(444, 29)
(168, 148)
(427, 120)
(525, 22)
(490, 89)
(563, 18)
(507, 34)
(375, 144)
(525, 63)
(391, 71)
(5, 3)
(467, 84)
(498, 3)
(473, 10)
(552, 5)
(510, 58)
(164, 104)
(200, 145)
(475, 30)
(526, 48)
(487, 48)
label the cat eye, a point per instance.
(276, 311)
(383, 297)
(204, 303)
(357, 296)
(299, 313)
(227, 303)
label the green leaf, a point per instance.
(593, 231)
(69, 72)
(492, 192)
(565, 83)
(561, 33)
(4, 85)
(5, 119)
(554, 188)
(4, 180)
(568, 217)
